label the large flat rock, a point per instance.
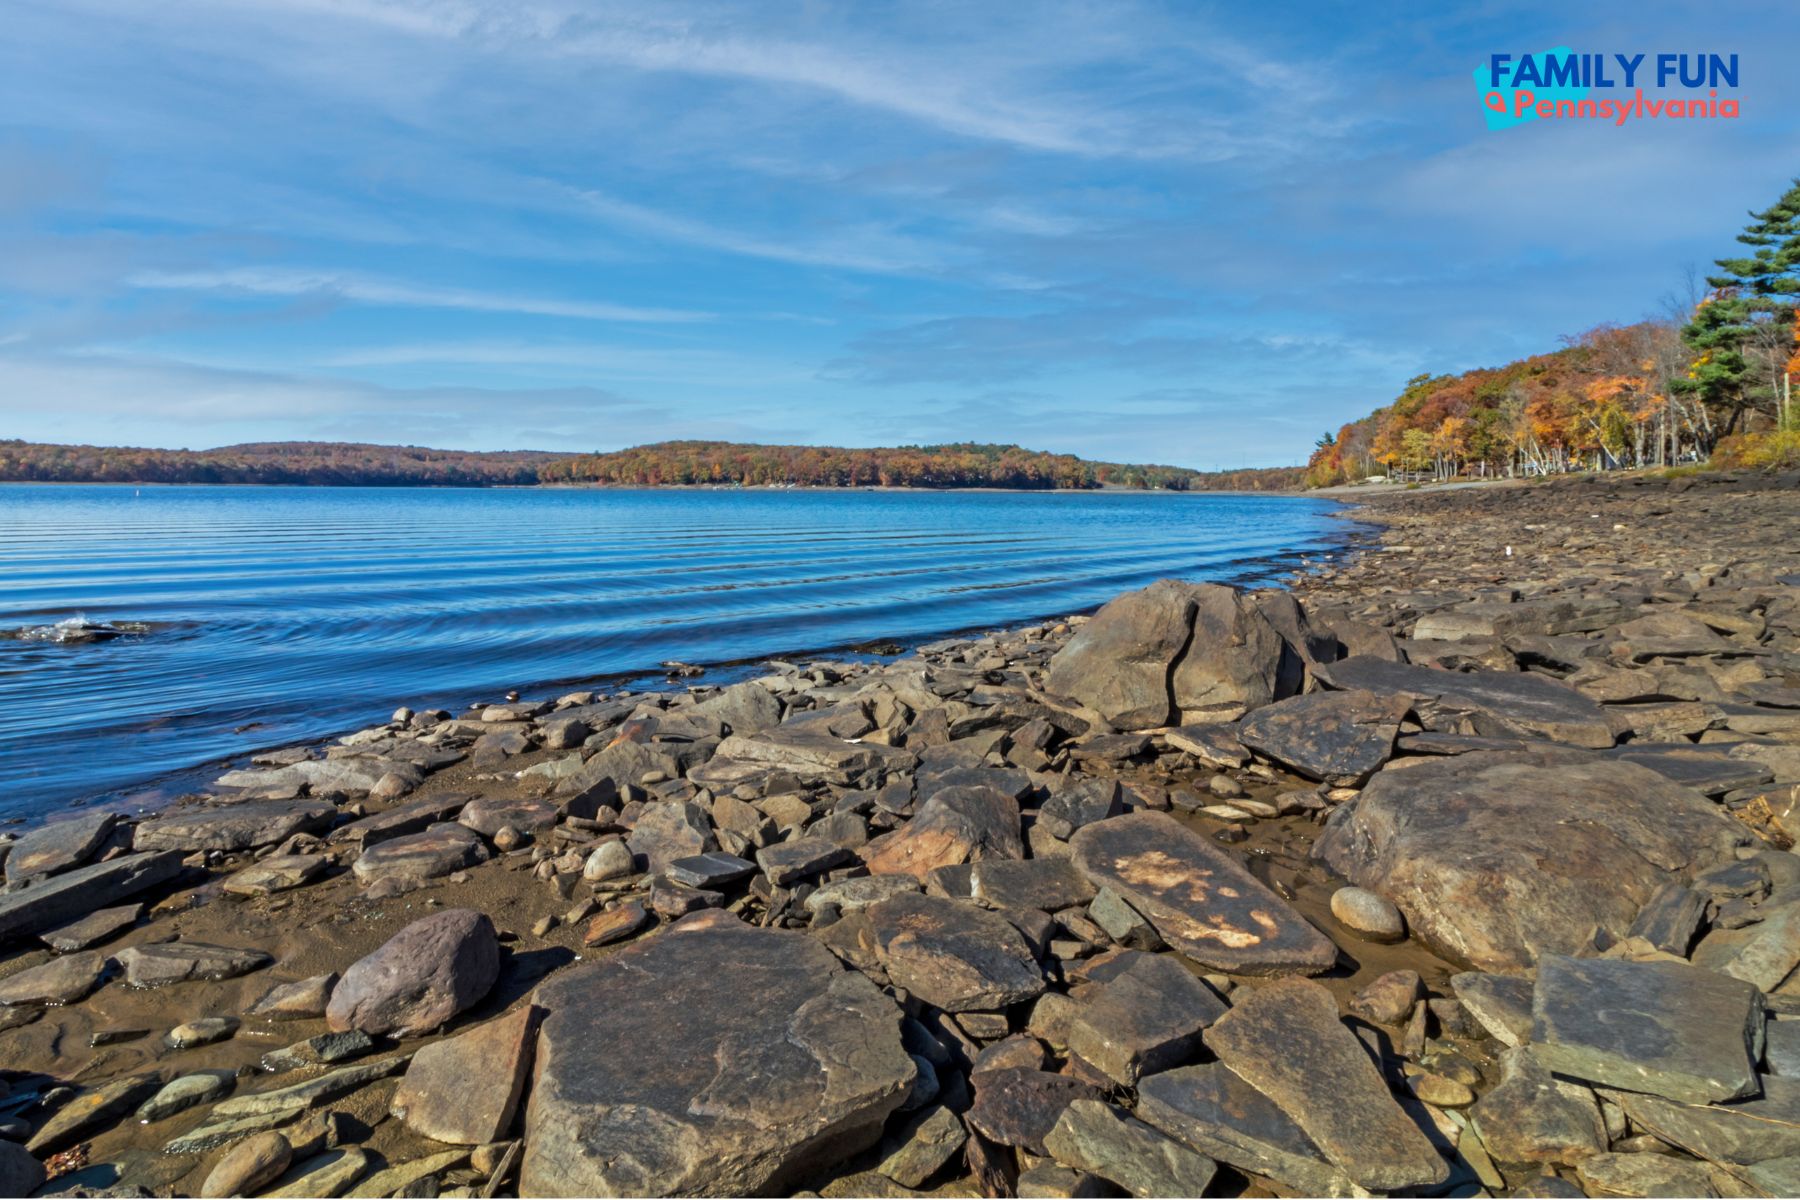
(414, 816)
(435, 1099)
(815, 755)
(58, 845)
(1740, 1132)
(1287, 1042)
(1663, 1027)
(159, 964)
(953, 955)
(1199, 898)
(1218, 1113)
(233, 827)
(1146, 1018)
(656, 1078)
(1342, 737)
(1098, 1138)
(1498, 857)
(46, 902)
(433, 852)
(1501, 703)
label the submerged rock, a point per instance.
(160, 964)
(60, 981)
(742, 1099)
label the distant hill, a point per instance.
(958, 465)
(271, 462)
(955, 465)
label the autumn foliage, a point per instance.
(1605, 400)
(1652, 394)
(957, 465)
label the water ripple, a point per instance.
(302, 612)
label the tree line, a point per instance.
(956, 465)
(1713, 381)
(961, 465)
(344, 463)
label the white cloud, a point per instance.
(278, 281)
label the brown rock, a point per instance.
(955, 825)
(257, 1160)
(435, 1098)
(1199, 899)
(1286, 1040)
(431, 970)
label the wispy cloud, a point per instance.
(870, 248)
(274, 281)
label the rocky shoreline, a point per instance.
(1462, 867)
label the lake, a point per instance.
(282, 614)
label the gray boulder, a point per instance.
(1498, 857)
(666, 833)
(715, 1096)
(1174, 653)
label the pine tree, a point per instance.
(1740, 332)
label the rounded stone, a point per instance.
(247, 1167)
(1441, 1091)
(1367, 915)
(610, 860)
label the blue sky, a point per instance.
(1184, 233)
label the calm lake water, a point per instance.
(285, 614)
